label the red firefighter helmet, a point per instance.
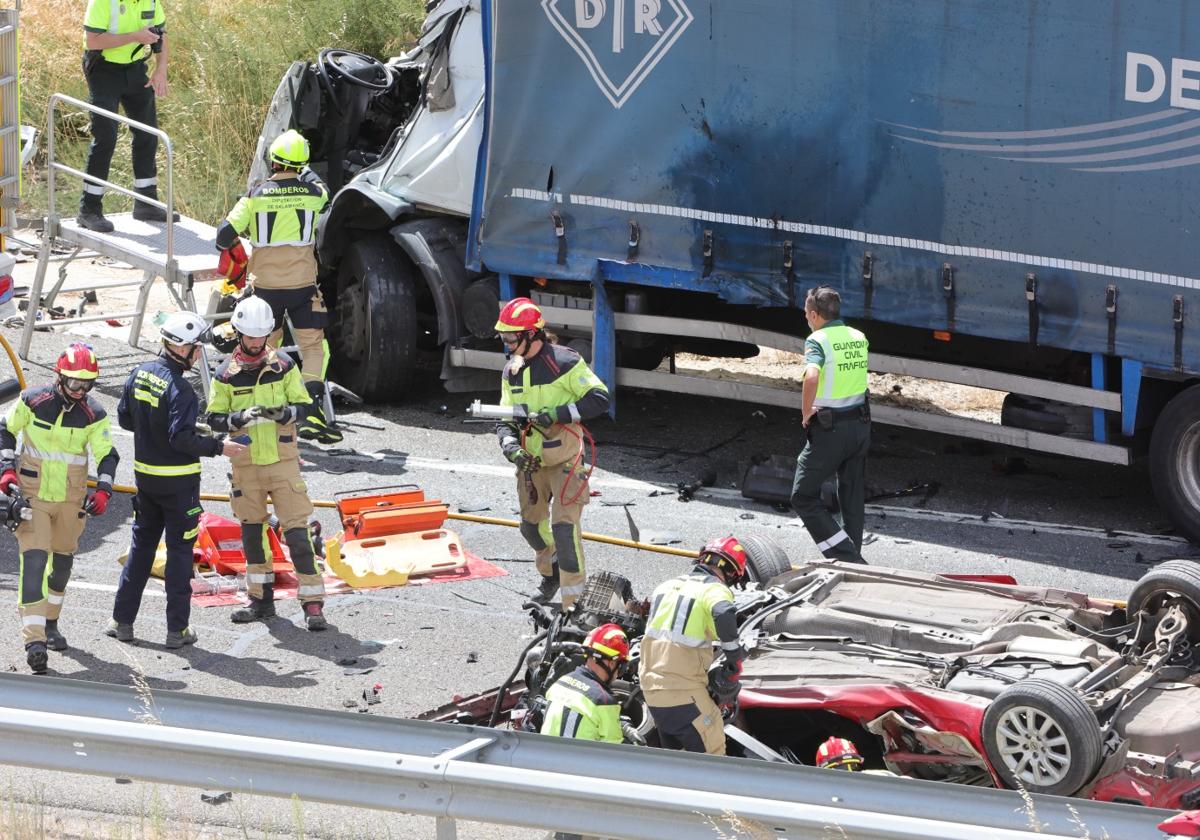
(729, 550)
(609, 641)
(520, 315)
(78, 362)
(838, 754)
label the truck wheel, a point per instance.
(1042, 737)
(1175, 461)
(765, 558)
(374, 324)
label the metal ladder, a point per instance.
(179, 252)
(10, 119)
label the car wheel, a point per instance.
(1166, 582)
(374, 323)
(1042, 737)
(765, 558)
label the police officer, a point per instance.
(58, 423)
(159, 406)
(280, 216)
(556, 391)
(837, 418)
(687, 614)
(579, 703)
(257, 393)
(119, 36)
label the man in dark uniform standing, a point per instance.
(159, 406)
(837, 418)
(119, 36)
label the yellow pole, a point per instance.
(467, 517)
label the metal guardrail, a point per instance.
(509, 778)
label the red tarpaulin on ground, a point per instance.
(220, 548)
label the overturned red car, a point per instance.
(971, 680)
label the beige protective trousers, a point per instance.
(279, 484)
(47, 543)
(552, 499)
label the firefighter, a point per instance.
(280, 217)
(58, 423)
(119, 36)
(677, 672)
(838, 754)
(257, 394)
(159, 406)
(837, 418)
(555, 391)
(580, 705)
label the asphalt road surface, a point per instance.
(976, 508)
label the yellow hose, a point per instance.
(467, 517)
(12, 357)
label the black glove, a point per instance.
(723, 683)
(524, 460)
(544, 419)
(282, 414)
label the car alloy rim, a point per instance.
(1033, 745)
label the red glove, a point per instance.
(8, 481)
(232, 264)
(97, 501)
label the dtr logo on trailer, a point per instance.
(620, 41)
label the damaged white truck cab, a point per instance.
(397, 144)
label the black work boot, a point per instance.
(91, 216)
(547, 589)
(35, 655)
(259, 609)
(314, 617)
(313, 425)
(54, 639)
(144, 212)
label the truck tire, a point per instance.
(373, 329)
(1175, 461)
(1047, 416)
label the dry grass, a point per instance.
(224, 66)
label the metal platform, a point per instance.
(144, 245)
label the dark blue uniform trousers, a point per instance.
(170, 505)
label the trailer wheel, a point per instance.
(374, 323)
(765, 558)
(1042, 737)
(1175, 461)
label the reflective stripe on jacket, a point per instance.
(160, 408)
(580, 707)
(279, 217)
(687, 614)
(121, 17)
(55, 436)
(275, 383)
(556, 377)
(843, 379)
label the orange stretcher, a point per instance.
(390, 534)
(219, 546)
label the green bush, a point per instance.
(225, 63)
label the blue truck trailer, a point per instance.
(1003, 191)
